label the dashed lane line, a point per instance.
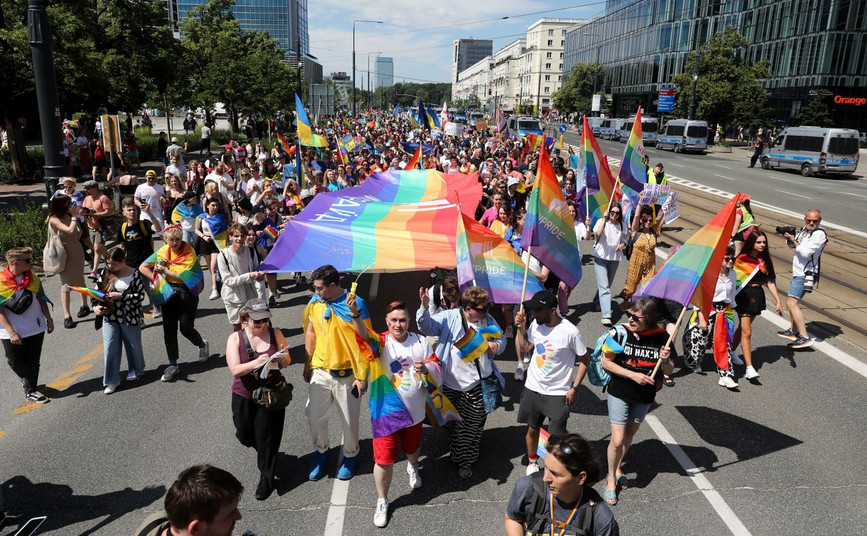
(65, 380)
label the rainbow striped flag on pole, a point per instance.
(632, 172)
(91, 292)
(600, 182)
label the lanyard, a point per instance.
(568, 519)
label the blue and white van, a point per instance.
(612, 129)
(523, 125)
(683, 135)
(813, 150)
(649, 130)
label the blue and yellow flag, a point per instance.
(305, 131)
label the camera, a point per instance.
(787, 230)
(809, 281)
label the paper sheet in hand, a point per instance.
(271, 364)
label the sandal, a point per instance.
(622, 482)
(668, 381)
(465, 471)
(610, 496)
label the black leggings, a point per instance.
(24, 359)
(180, 310)
(260, 429)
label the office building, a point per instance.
(814, 48)
(469, 52)
(384, 72)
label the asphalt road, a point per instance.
(785, 456)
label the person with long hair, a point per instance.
(237, 266)
(632, 390)
(611, 236)
(211, 229)
(501, 224)
(754, 269)
(121, 318)
(642, 263)
(745, 223)
(62, 222)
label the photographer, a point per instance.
(808, 245)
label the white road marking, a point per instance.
(337, 510)
(854, 195)
(701, 482)
(723, 177)
(676, 164)
(722, 166)
(774, 176)
(797, 195)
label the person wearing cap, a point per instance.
(96, 206)
(175, 151)
(148, 197)
(253, 346)
(238, 269)
(657, 175)
(549, 387)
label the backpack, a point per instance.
(437, 275)
(597, 375)
(144, 232)
(582, 523)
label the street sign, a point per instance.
(665, 104)
(563, 128)
(111, 140)
(597, 103)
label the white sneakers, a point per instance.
(751, 373)
(519, 373)
(380, 516)
(133, 376)
(204, 352)
(728, 382)
(170, 373)
(606, 322)
(414, 477)
(532, 467)
(214, 295)
(110, 388)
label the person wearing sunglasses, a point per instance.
(247, 351)
(632, 389)
(561, 498)
(808, 246)
(462, 381)
(611, 235)
(642, 262)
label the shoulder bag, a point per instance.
(53, 254)
(272, 394)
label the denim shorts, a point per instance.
(621, 411)
(796, 287)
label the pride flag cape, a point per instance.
(549, 227)
(388, 414)
(186, 265)
(599, 182)
(305, 132)
(690, 275)
(416, 157)
(632, 172)
(31, 282)
(394, 221)
(745, 268)
(96, 294)
(219, 228)
(183, 211)
(474, 342)
(486, 260)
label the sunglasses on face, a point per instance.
(728, 258)
(481, 309)
(635, 317)
(615, 213)
(646, 220)
(259, 322)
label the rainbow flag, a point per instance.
(342, 152)
(632, 172)
(305, 131)
(745, 268)
(218, 227)
(388, 414)
(439, 409)
(96, 294)
(542, 448)
(268, 237)
(286, 145)
(599, 177)
(9, 286)
(486, 260)
(474, 342)
(413, 162)
(549, 228)
(186, 265)
(535, 142)
(690, 275)
(184, 211)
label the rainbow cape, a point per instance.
(31, 282)
(186, 265)
(549, 228)
(690, 275)
(600, 182)
(96, 294)
(305, 132)
(183, 211)
(219, 228)
(474, 342)
(486, 260)
(745, 268)
(632, 172)
(388, 414)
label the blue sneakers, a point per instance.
(347, 468)
(317, 465)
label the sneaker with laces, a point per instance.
(728, 382)
(170, 373)
(84, 311)
(204, 352)
(532, 467)
(110, 388)
(158, 312)
(800, 342)
(39, 398)
(214, 294)
(380, 516)
(606, 322)
(788, 334)
(133, 376)
(751, 373)
(519, 373)
(414, 477)
(68, 323)
(736, 359)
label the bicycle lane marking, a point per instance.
(65, 380)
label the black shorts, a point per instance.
(535, 408)
(206, 247)
(750, 301)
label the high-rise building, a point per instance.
(384, 69)
(284, 20)
(469, 52)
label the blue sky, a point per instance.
(419, 35)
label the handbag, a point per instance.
(627, 251)
(274, 397)
(492, 395)
(53, 254)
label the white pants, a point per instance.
(327, 391)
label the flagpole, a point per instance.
(461, 223)
(668, 342)
(607, 210)
(526, 273)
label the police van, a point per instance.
(682, 135)
(524, 125)
(649, 129)
(813, 150)
(612, 129)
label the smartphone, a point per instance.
(354, 391)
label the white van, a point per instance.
(813, 150)
(649, 129)
(611, 129)
(682, 135)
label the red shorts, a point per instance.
(385, 448)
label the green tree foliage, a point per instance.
(435, 94)
(729, 89)
(576, 93)
(815, 113)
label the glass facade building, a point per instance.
(813, 46)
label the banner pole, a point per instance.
(668, 342)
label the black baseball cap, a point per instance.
(542, 299)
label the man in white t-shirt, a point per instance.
(549, 388)
(148, 197)
(206, 139)
(224, 182)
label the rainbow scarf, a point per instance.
(746, 268)
(439, 409)
(9, 286)
(186, 265)
(184, 211)
(219, 228)
(96, 294)
(474, 342)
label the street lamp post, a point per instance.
(596, 67)
(353, 56)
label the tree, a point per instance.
(729, 89)
(576, 93)
(815, 113)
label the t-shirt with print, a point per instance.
(398, 358)
(138, 242)
(640, 354)
(554, 351)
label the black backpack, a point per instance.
(582, 524)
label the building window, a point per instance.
(548, 55)
(550, 42)
(547, 89)
(547, 77)
(561, 67)
(545, 101)
(548, 66)
(562, 32)
(560, 78)
(561, 55)
(550, 32)
(562, 43)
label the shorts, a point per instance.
(535, 408)
(621, 411)
(95, 236)
(750, 301)
(385, 448)
(99, 163)
(796, 287)
(206, 247)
